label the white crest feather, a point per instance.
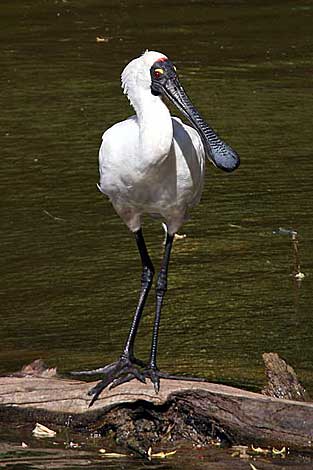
(137, 72)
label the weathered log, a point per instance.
(282, 379)
(137, 417)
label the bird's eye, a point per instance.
(157, 73)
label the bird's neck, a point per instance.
(155, 127)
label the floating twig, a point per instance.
(297, 274)
(57, 219)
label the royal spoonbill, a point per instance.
(153, 163)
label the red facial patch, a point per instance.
(162, 59)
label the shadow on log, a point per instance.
(137, 418)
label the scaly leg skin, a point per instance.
(161, 287)
(152, 372)
(126, 368)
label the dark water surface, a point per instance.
(70, 270)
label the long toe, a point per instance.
(134, 374)
(95, 391)
(115, 374)
(154, 375)
(100, 370)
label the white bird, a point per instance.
(153, 163)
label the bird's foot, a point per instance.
(126, 369)
(154, 375)
(117, 373)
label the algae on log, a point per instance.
(138, 418)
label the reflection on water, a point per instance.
(70, 270)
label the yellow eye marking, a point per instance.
(175, 69)
(161, 71)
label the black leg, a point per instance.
(125, 369)
(152, 371)
(161, 288)
(146, 282)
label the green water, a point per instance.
(70, 270)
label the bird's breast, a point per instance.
(132, 178)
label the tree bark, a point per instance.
(282, 379)
(138, 418)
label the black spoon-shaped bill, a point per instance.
(167, 83)
(220, 153)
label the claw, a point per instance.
(94, 398)
(117, 373)
(97, 389)
(126, 369)
(156, 384)
(154, 375)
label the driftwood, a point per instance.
(138, 418)
(282, 380)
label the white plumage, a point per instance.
(151, 162)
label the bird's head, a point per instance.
(136, 75)
(154, 73)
